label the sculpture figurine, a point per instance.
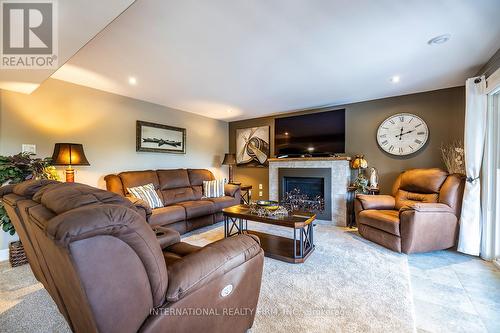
(373, 178)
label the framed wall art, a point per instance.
(158, 138)
(252, 146)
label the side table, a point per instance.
(246, 194)
(351, 195)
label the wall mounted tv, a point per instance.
(313, 134)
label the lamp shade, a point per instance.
(359, 162)
(229, 159)
(69, 154)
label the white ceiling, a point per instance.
(78, 22)
(232, 59)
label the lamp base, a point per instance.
(70, 175)
(230, 174)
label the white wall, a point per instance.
(105, 124)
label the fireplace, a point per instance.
(310, 186)
(337, 177)
(312, 182)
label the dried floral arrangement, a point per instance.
(296, 201)
(453, 155)
(262, 211)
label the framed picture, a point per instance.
(252, 146)
(160, 138)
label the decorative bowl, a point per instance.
(268, 204)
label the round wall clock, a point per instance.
(402, 134)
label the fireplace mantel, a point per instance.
(332, 158)
(340, 178)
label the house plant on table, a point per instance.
(15, 169)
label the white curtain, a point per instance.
(469, 240)
(490, 242)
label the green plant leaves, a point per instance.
(15, 169)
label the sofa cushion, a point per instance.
(30, 187)
(63, 197)
(422, 180)
(404, 198)
(174, 178)
(167, 215)
(386, 220)
(138, 178)
(198, 208)
(176, 195)
(198, 192)
(223, 202)
(197, 176)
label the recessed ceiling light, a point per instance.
(132, 81)
(441, 39)
(395, 79)
(286, 133)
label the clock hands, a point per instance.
(400, 135)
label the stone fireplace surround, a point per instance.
(340, 178)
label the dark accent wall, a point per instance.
(443, 110)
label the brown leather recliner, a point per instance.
(185, 208)
(108, 271)
(421, 215)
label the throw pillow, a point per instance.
(213, 188)
(147, 193)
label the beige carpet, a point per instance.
(347, 285)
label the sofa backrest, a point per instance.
(14, 201)
(173, 185)
(196, 178)
(429, 185)
(102, 257)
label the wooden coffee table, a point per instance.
(295, 250)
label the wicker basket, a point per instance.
(17, 256)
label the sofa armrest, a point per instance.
(214, 260)
(6, 189)
(141, 205)
(428, 207)
(166, 236)
(376, 201)
(231, 189)
(427, 227)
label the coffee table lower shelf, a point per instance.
(280, 248)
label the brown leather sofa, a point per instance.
(181, 191)
(108, 271)
(421, 215)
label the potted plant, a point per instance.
(15, 169)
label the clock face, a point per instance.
(402, 134)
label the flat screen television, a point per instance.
(314, 134)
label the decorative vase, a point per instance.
(373, 178)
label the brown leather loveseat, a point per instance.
(421, 215)
(181, 192)
(108, 271)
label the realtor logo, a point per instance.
(29, 34)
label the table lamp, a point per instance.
(69, 154)
(230, 160)
(359, 163)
